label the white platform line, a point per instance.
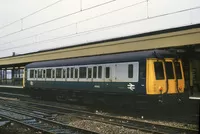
(194, 98)
(11, 86)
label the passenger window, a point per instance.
(31, 73)
(89, 72)
(107, 72)
(178, 70)
(94, 72)
(169, 70)
(76, 72)
(159, 72)
(68, 70)
(36, 71)
(82, 72)
(99, 71)
(53, 73)
(58, 73)
(44, 73)
(48, 73)
(130, 71)
(39, 73)
(72, 72)
(64, 71)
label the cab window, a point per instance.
(178, 70)
(159, 72)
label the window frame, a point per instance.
(163, 71)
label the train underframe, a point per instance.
(139, 101)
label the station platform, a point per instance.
(195, 96)
(17, 89)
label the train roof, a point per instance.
(102, 59)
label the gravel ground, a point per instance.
(103, 128)
(14, 128)
(106, 128)
(112, 129)
(95, 126)
(166, 123)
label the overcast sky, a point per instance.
(33, 25)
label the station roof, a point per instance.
(161, 39)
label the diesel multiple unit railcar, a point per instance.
(123, 78)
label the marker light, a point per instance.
(160, 88)
(180, 88)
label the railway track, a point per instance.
(39, 121)
(189, 118)
(133, 124)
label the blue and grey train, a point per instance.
(122, 78)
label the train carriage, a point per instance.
(113, 78)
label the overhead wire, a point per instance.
(43, 23)
(89, 31)
(77, 22)
(31, 14)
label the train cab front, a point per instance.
(165, 81)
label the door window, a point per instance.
(169, 70)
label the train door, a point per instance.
(164, 76)
(174, 76)
(108, 73)
(156, 83)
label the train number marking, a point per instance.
(97, 86)
(131, 86)
(31, 83)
